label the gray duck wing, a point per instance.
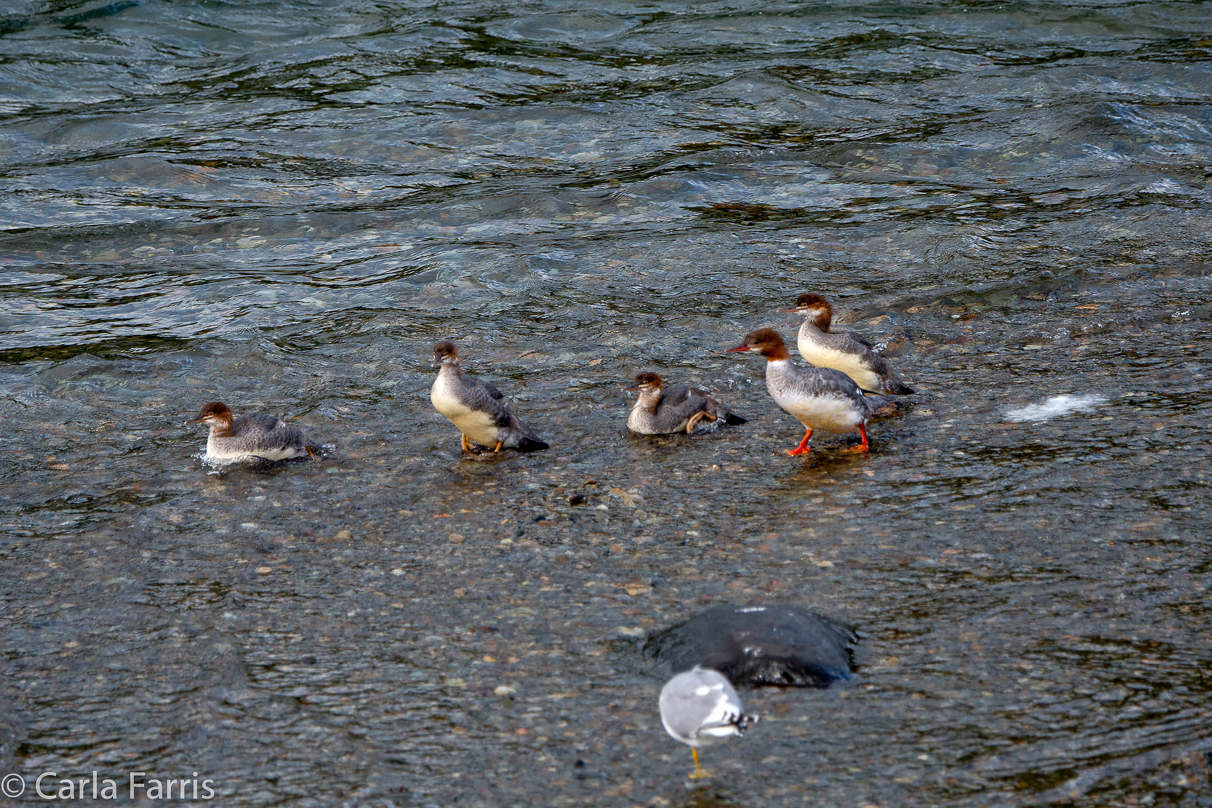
(256, 423)
(484, 397)
(488, 388)
(679, 397)
(826, 382)
(689, 400)
(854, 340)
(282, 438)
(872, 358)
(680, 402)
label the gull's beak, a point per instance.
(634, 388)
(197, 420)
(791, 310)
(737, 349)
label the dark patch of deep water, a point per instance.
(284, 205)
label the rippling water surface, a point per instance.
(284, 205)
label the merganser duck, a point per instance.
(842, 350)
(700, 707)
(250, 437)
(819, 398)
(476, 407)
(662, 410)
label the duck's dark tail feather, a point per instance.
(898, 388)
(733, 419)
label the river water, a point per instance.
(284, 205)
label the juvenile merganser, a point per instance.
(700, 707)
(250, 437)
(661, 410)
(476, 407)
(842, 350)
(819, 398)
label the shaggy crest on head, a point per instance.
(816, 308)
(765, 341)
(643, 380)
(445, 352)
(214, 411)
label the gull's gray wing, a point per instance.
(685, 712)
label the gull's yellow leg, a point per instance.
(699, 774)
(500, 443)
(464, 442)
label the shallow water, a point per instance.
(284, 206)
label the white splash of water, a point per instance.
(1054, 408)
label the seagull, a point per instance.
(699, 707)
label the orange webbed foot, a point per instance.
(696, 419)
(862, 447)
(803, 447)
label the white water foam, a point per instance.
(1054, 408)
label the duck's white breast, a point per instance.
(478, 425)
(847, 362)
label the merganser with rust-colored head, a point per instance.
(476, 407)
(663, 409)
(842, 350)
(250, 437)
(819, 398)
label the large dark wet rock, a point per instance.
(760, 645)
